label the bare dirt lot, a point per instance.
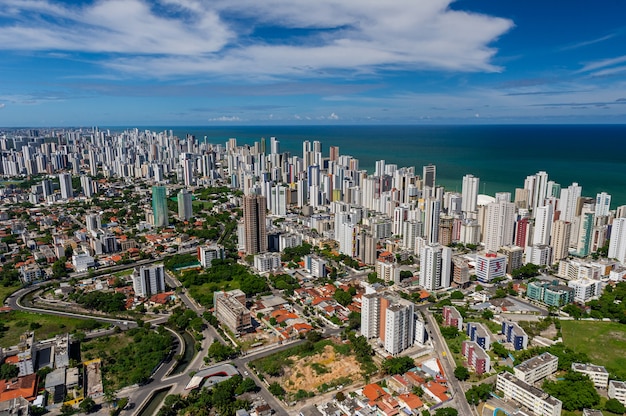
(309, 373)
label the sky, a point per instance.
(291, 62)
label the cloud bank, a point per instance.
(255, 39)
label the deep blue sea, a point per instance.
(500, 155)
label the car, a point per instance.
(245, 373)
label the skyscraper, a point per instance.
(429, 176)
(543, 224)
(568, 200)
(185, 207)
(254, 207)
(65, 180)
(499, 225)
(431, 220)
(560, 240)
(603, 204)
(435, 266)
(159, 206)
(617, 246)
(469, 193)
(149, 280)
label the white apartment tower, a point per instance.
(499, 225)
(543, 224)
(65, 180)
(603, 204)
(435, 266)
(568, 200)
(469, 193)
(617, 246)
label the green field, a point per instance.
(603, 342)
(16, 323)
(5, 291)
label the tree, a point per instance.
(479, 393)
(614, 406)
(87, 405)
(576, 391)
(8, 371)
(499, 350)
(449, 332)
(461, 373)
(487, 314)
(247, 384)
(340, 396)
(398, 365)
(457, 295)
(276, 389)
(342, 297)
(66, 410)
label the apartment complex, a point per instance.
(535, 400)
(230, 310)
(537, 368)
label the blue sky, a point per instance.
(239, 62)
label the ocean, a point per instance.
(500, 155)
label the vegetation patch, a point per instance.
(129, 358)
(15, 323)
(603, 342)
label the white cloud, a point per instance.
(333, 116)
(199, 37)
(603, 63)
(2, 105)
(225, 118)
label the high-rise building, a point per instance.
(435, 266)
(490, 266)
(431, 220)
(543, 224)
(560, 240)
(603, 204)
(390, 319)
(65, 180)
(254, 207)
(499, 225)
(159, 206)
(185, 206)
(617, 246)
(585, 232)
(149, 280)
(429, 176)
(568, 201)
(469, 193)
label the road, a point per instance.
(454, 386)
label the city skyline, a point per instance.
(185, 62)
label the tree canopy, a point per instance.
(398, 365)
(576, 391)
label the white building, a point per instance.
(543, 224)
(617, 246)
(266, 262)
(617, 390)
(490, 266)
(603, 204)
(499, 225)
(399, 327)
(149, 280)
(469, 193)
(65, 180)
(532, 398)
(82, 262)
(315, 265)
(206, 254)
(388, 271)
(538, 254)
(537, 368)
(435, 266)
(596, 373)
(585, 289)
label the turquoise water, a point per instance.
(501, 156)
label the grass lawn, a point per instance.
(5, 291)
(603, 342)
(123, 273)
(19, 322)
